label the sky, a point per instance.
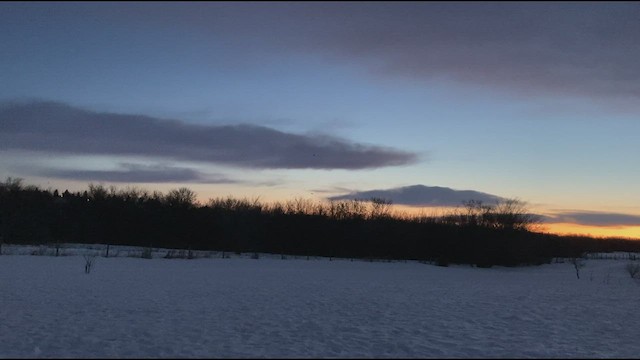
(421, 103)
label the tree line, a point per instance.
(476, 233)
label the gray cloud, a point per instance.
(577, 48)
(595, 218)
(580, 48)
(59, 128)
(420, 195)
(332, 190)
(135, 173)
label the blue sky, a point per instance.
(280, 100)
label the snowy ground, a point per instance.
(242, 307)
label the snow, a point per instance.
(269, 307)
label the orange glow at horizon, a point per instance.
(598, 231)
(621, 231)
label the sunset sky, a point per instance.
(416, 102)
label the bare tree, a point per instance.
(514, 214)
(97, 192)
(182, 197)
(634, 270)
(380, 208)
(505, 214)
(12, 184)
(577, 263)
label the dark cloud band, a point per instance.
(420, 195)
(567, 48)
(595, 218)
(59, 128)
(133, 173)
(562, 47)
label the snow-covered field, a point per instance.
(269, 307)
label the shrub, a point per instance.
(41, 251)
(484, 264)
(577, 263)
(634, 270)
(182, 254)
(89, 259)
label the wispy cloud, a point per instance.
(136, 173)
(331, 190)
(594, 218)
(60, 128)
(420, 195)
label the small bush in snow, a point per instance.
(89, 260)
(577, 263)
(41, 251)
(255, 256)
(134, 254)
(634, 270)
(175, 254)
(146, 253)
(441, 261)
(180, 254)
